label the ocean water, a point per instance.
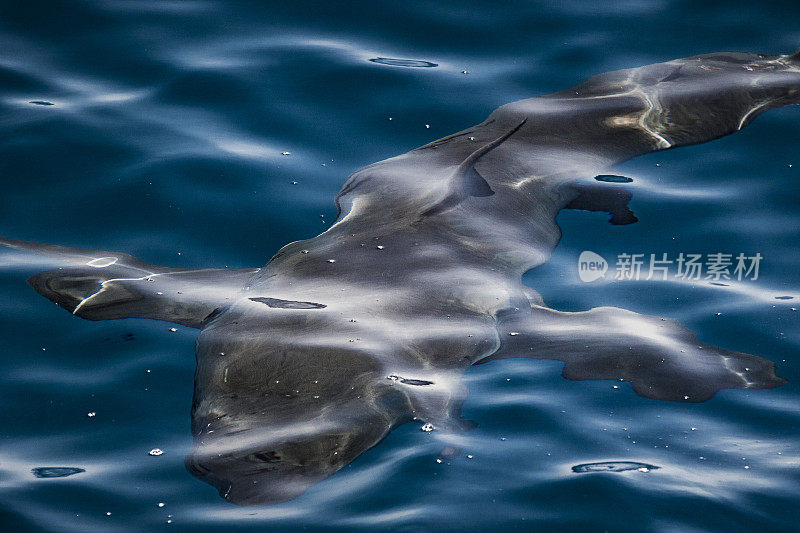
(158, 129)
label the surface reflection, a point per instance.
(304, 364)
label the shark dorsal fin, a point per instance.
(466, 180)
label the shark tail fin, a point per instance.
(98, 285)
(661, 358)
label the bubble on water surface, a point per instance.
(56, 471)
(613, 466)
(613, 178)
(409, 381)
(399, 62)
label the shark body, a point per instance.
(307, 362)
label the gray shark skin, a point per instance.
(307, 362)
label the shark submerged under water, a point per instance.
(307, 362)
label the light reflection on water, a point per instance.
(136, 154)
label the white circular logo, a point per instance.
(591, 266)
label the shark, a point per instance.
(307, 362)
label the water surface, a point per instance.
(160, 129)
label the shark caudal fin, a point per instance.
(98, 285)
(661, 358)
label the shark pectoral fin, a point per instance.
(661, 358)
(100, 285)
(608, 198)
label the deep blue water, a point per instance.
(165, 138)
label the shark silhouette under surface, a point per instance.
(304, 364)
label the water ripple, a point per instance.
(159, 128)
